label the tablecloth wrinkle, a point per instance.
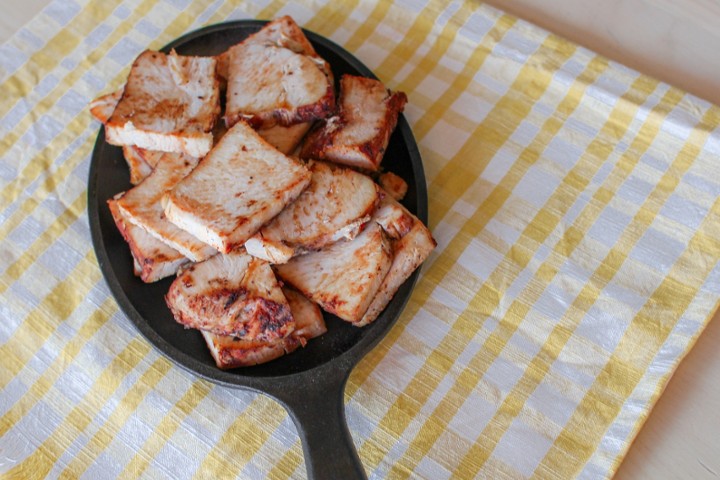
(575, 205)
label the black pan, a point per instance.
(310, 382)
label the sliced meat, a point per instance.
(232, 294)
(336, 204)
(359, 133)
(285, 139)
(269, 250)
(344, 277)
(139, 168)
(151, 157)
(309, 321)
(276, 77)
(286, 33)
(142, 206)
(394, 185)
(282, 31)
(229, 352)
(241, 184)
(409, 252)
(103, 107)
(153, 259)
(393, 217)
(170, 103)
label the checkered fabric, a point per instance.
(575, 203)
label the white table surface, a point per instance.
(677, 42)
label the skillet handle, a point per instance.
(318, 409)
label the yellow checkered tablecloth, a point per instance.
(575, 203)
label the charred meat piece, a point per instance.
(359, 133)
(153, 259)
(229, 352)
(170, 103)
(142, 206)
(344, 277)
(240, 185)
(232, 294)
(275, 77)
(336, 204)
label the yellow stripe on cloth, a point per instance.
(470, 376)
(16, 269)
(69, 215)
(35, 328)
(40, 388)
(371, 361)
(289, 463)
(422, 28)
(45, 60)
(63, 221)
(510, 112)
(540, 364)
(648, 330)
(368, 26)
(43, 161)
(49, 103)
(242, 439)
(165, 429)
(517, 259)
(41, 461)
(530, 146)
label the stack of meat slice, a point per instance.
(226, 207)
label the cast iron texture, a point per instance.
(310, 382)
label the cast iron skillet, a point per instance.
(310, 382)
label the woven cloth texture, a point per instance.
(575, 205)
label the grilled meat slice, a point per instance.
(153, 259)
(344, 277)
(139, 168)
(282, 31)
(285, 139)
(229, 352)
(286, 33)
(409, 252)
(241, 184)
(412, 242)
(394, 185)
(103, 107)
(393, 217)
(359, 133)
(170, 103)
(232, 294)
(309, 321)
(142, 206)
(276, 77)
(336, 204)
